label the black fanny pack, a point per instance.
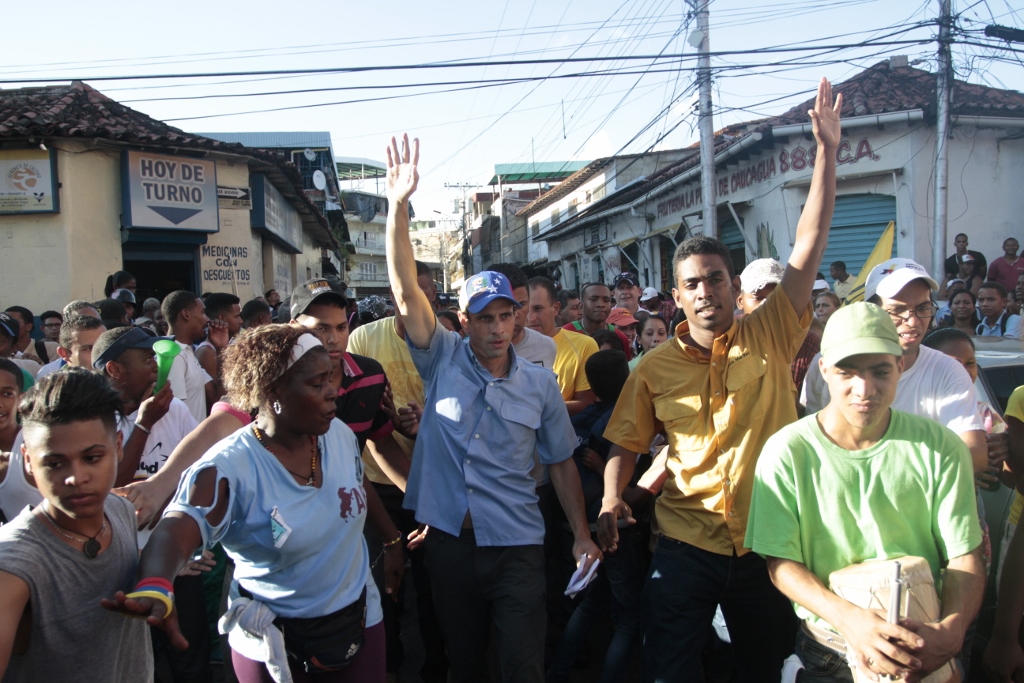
(327, 643)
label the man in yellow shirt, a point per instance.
(718, 391)
(572, 349)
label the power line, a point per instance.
(361, 45)
(507, 111)
(460, 65)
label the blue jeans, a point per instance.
(821, 664)
(684, 586)
(618, 585)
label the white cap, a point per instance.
(648, 294)
(889, 277)
(820, 285)
(757, 274)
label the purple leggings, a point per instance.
(367, 667)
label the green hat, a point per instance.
(859, 328)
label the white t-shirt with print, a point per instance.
(166, 434)
(936, 386)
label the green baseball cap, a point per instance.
(859, 328)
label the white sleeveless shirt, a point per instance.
(15, 490)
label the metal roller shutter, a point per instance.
(730, 235)
(857, 223)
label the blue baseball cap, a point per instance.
(483, 288)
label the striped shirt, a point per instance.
(360, 402)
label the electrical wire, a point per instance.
(460, 65)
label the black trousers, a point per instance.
(480, 588)
(191, 665)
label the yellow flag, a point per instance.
(881, 252)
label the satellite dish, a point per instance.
(319, 179)
(309, 154)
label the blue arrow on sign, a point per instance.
(174, 214)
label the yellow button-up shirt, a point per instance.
(716, 413)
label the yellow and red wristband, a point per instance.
(157, 589)
(155, 581)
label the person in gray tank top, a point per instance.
(60, 558)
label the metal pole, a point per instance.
(706, 124)
(944, 88)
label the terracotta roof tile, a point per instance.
(80, 111)
(877, 90)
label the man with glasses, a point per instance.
(51, 325)
(932, 384)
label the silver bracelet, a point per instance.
(144, 430)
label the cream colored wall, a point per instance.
(256, 241)
(309, 263)
(227, 262)
(278, 269)
(50, 259)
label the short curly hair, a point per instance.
(257, 358)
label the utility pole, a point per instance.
(943, 91)
(701, 40)
(467, 265)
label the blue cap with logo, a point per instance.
(483, 288)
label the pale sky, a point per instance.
(466, 132)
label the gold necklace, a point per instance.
(311, 481)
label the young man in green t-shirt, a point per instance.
(859, 481)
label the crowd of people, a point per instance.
(753, 479)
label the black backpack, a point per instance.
(41, 351)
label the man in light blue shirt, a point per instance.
(996, 321)
(486, 413)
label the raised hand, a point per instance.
(403, 175)
(825, 116)
(156, 406)
(219, 334)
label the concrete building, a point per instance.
(763, 169)
(498, 234)
(89, 187)
(313, 155)
(439, 245)
(556, 210)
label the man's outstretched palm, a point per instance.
(403, 175)
(825, 115)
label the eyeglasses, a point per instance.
(923, 311)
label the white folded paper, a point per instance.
(582, 576)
